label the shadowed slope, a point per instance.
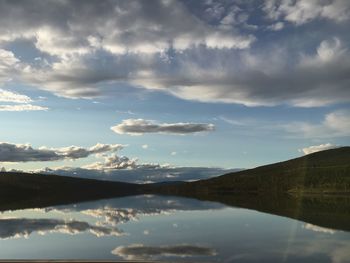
(322, 172)
(21, 190)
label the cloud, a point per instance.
(9, 96)
(317, 148)
(141, 126)
(276, 27)
(126, 26)
(23, 227)
(26, 153)
(10, 67)
(189, 51)
(22, 107)
(142, 252)
(300, 12)
(113, 162)
(334, 124)
(145, 146)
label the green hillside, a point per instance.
(322, 172)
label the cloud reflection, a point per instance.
(23, 227)
(141, 252)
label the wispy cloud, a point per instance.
(22, 107)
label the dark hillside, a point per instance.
(23, 189)
(322, 172)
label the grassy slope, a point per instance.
(321, 172)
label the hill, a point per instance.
(322, 172)
(19, 190)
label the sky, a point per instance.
(143, 87)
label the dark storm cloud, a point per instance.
(140, 126)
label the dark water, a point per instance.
(173, 229)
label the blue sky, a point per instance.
(229, 84)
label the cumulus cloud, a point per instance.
(142, 252)
(126, 26)
(113, 162)
(23, 227)
(317, 148)
(10, 67)
(167, 46)
(26, 153)
(141, 126)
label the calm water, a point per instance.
(166, 228)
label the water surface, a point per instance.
(166, 228)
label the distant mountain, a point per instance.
(322, 172)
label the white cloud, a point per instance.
(8, 65)
(317, 148)
(335, 124)
(22, 107)
(11, 67)
(145, 146)
(9, 96)
(300, 12)
(135, 44)
(141, 126)
(113, 162)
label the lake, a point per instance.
(150, 227)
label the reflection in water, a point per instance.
(113, 216)
(165, 227)
(141, 252)
(23, 227)
(319, 229)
